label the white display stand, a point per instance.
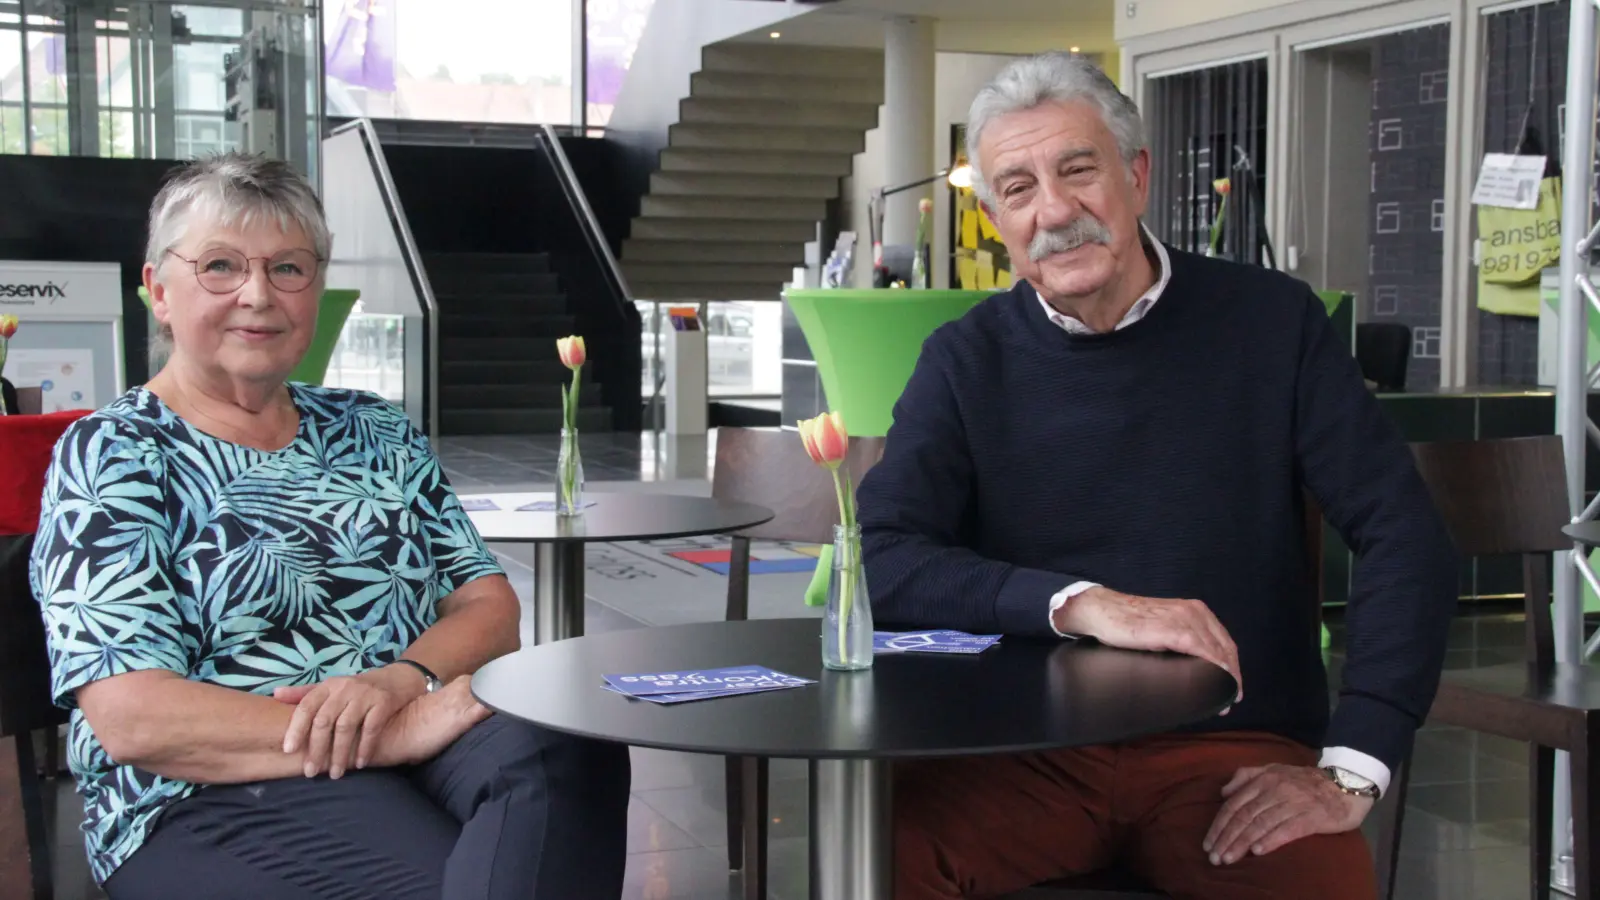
(69, 341)
(684, 364)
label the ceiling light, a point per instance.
(775, 35)
(1072, 49)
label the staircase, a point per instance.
(756, 154)
(499, 317)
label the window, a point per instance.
(503, 61)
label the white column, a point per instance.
(908, 67)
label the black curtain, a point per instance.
(1206, 125)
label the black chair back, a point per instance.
(1383, 350)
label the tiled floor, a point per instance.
(1466, 827)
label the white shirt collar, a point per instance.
(1138, 309)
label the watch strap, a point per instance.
(433, 680)
(1336, 775)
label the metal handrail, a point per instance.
(592, 224)
(413, 258)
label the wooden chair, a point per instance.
(770, 467)
(1387, 815)
(1510, 497)
(25, 707)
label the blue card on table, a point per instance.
(732, 679)
(942, 641)
(691, 696)
(550, 506)
(478, 504)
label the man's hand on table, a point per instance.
(337, 723)
(1150, 623)
(1270, 806)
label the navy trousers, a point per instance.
(509, 810)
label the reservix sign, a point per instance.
(68, 290)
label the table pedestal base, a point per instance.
(557, 591)
(852, 840)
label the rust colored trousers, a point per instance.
(982, 827)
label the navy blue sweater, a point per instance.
(1167, 459)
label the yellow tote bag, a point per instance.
(1516, 244)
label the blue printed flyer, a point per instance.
(478, 504)
(691, 696)
(730, 680)
(550, 506)
(942, 641)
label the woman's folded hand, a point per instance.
(337, 723)
(429, 724)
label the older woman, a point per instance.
(263, 602)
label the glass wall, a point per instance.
(502, 61)
(614, 28)
(156, 80)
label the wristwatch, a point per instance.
(1351, 783)
(432, 680)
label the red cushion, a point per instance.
(26, 443)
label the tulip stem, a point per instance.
(851, 551)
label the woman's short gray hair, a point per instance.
(235, 190)
(1054, 77)
(231, 190)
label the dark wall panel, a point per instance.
(1406, 235)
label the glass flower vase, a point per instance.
(569, 475)
(847, 619)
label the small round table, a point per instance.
(1023, 694)
(559, 541)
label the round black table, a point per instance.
(1023, 694)
(559, 540)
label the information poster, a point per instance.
(65, 377)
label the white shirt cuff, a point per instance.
(1357, 763)
(1060, 599)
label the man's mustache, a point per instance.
(1085, 229)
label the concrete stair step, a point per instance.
(790, 113)
(469, 420)
(716, 184)
(760, 208)
(515, 305)
(504, 372)
(534, 327)
(727, 230)
(755, 162)
(505, 263)
(778, 58)
(750, 85)
(515, 396)
(662, 273)
(708, 290)
(690, 252)
(763, 137)
(497, 349)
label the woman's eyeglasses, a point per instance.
(224, 271)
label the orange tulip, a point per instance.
(572, 352)
(8, 326)
(1223, 186)
(826, 441)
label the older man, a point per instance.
(1117, 449)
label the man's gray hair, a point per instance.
(1054, 77)
(231, 190)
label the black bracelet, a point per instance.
(433, 680)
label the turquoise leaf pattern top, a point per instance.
(162, 547)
